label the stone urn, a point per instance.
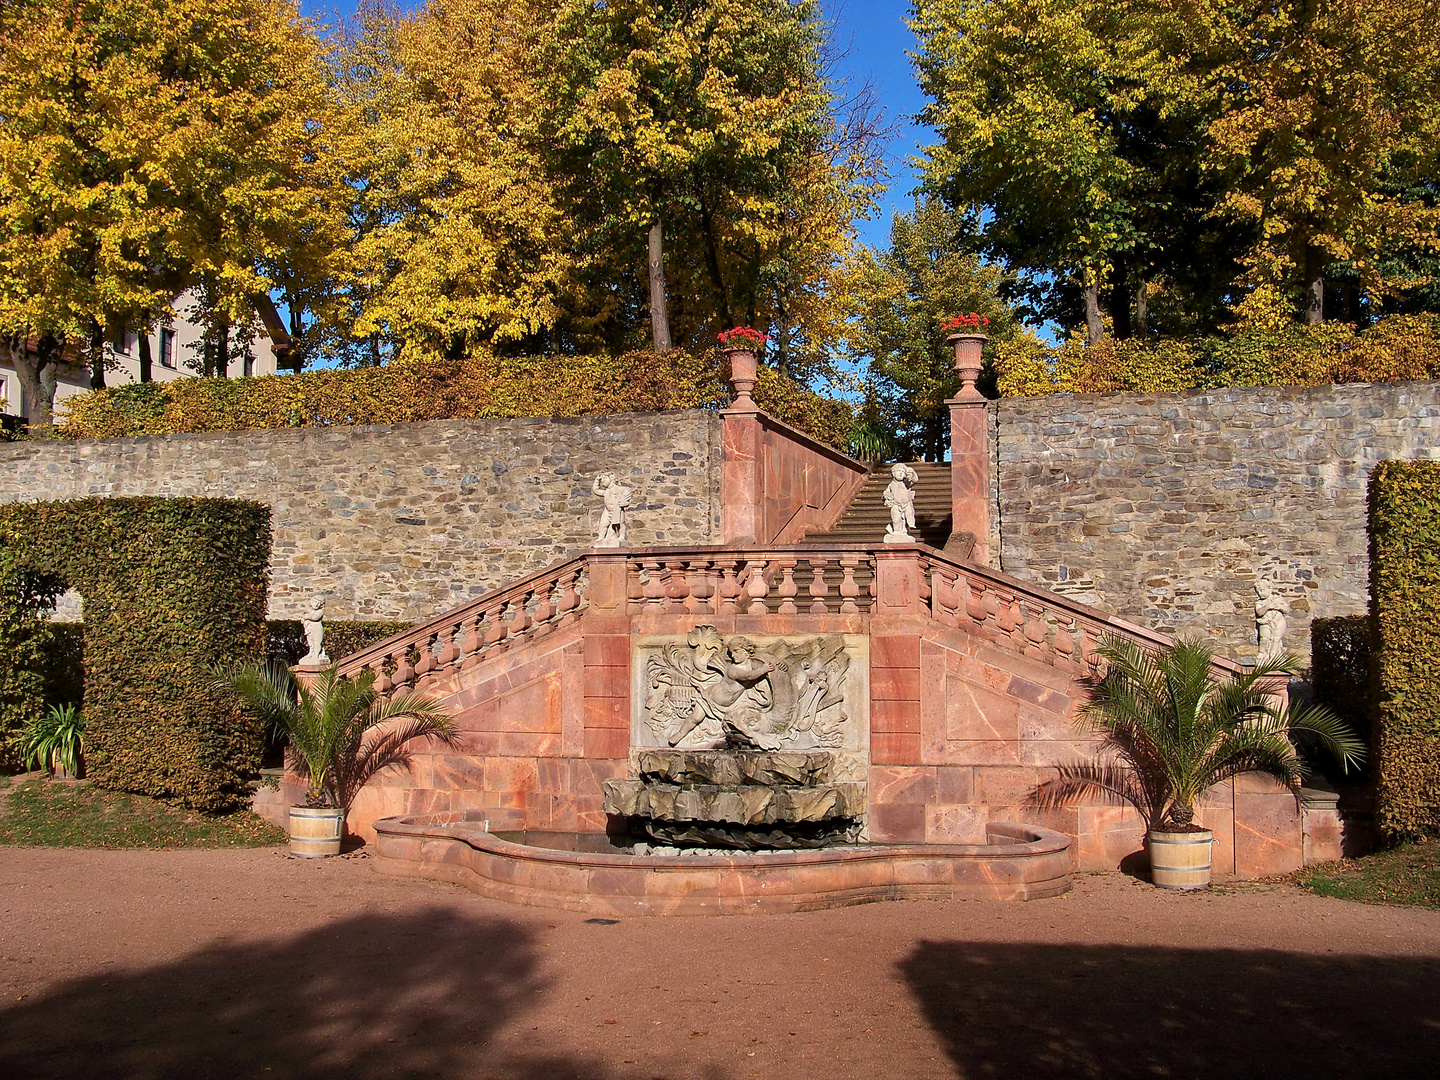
(743, 366)
(968, 348)
(1180, 860)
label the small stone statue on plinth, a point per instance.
(900, 498)
(1270, 621)
(611, 533)
(313, 622)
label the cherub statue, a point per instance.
(900, 498)
(1270, 621)
(611, 533)
(313, 622)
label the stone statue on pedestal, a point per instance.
(900, 498)
(313, 622)
(611, 533)
(1270, 621)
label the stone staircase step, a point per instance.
(866, 519)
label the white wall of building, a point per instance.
(173, 355)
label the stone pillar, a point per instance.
(898, 581)
(742, 485)
(970, 479)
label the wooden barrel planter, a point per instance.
(1181, 860)
(316, 831)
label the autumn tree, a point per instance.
(146, 146)
(1325, 113)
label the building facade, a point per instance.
(175, 353)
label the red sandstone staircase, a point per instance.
(865, 520)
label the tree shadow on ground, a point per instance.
(368, 996)
(1038, 1011)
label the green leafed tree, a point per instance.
(931, 271)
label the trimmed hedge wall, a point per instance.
(1405, 608)
(482, 386)
(171, 586)
(1340, 659)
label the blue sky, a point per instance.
(874, 40)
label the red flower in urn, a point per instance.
(959, 324)
(742, 337)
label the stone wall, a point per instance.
(1167, 508)
(406, 521)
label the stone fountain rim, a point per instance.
(1033, 841)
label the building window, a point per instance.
(121, 342)
(167, 348)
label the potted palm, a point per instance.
(1177, 728)
(342, 732)
(56, 741)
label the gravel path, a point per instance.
(228, 964)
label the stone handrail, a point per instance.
(465, 635)
(1041, 624)
(782, 580)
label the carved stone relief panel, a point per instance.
(713, 691)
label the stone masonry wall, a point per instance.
(406, 521)
(1167, 508)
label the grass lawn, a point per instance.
(1409, 874)
(61, 813)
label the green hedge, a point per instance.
(1340, 657)
(1405, 608)
(171, 586)
(478, 387)
(285, 638)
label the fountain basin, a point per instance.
(1018, 862)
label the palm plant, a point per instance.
(1178, 727)
(342, 731)
(55, 740)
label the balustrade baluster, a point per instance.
(495, 635)
(654, 584)
(1064, 643)
(788, 588)
(975, 601)
(634, 586)
(944, 605)
(702, 586)
(569, 597)
(427, 657)
(818, 589)
(729, 587)
(677, 589)
(1089, 657)
(451, 652)
(756, 587)
(544, 607)
(474, 640)
(520, 618)
(404, 673)
(1034, 629)
(849, 590)
(382, 681)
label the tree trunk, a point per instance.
(222, 348)
(31, 370)
(97, 355)
(1120, 310)
(712, 264)
(659, 315)
(1314, 285)
(147, 371)
(1094, 323)
(1142, 306)
(782, 340)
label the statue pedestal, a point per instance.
(308, 674)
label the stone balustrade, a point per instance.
(485, 627)
(781, 581)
